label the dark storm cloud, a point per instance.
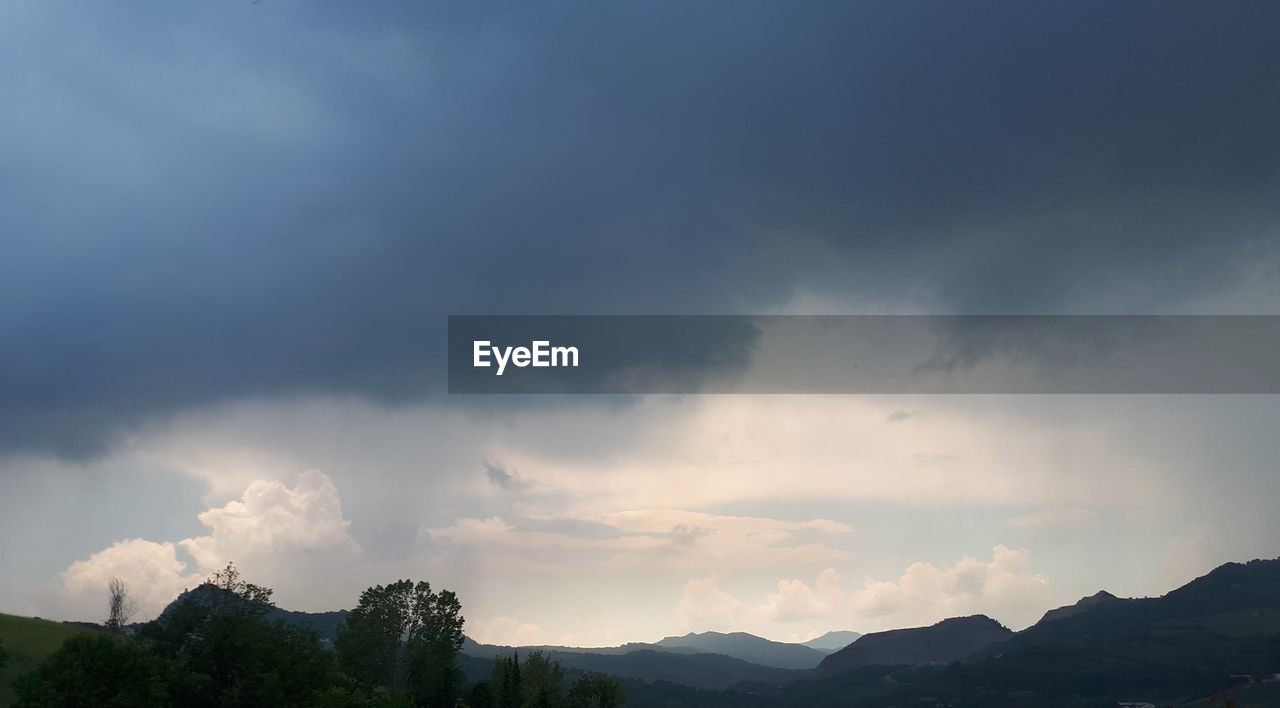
(504, 478)
(206, 202)
(687, 535)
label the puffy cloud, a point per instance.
(704, 606)
(271, 519)
(504, 478)
(1055, 517)
(505, 631)
(579, 529)
(1003, 588)
(796, 600)
(152, 572)
(278, 534)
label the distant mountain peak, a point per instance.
(712, 633)
(943, 642)
(833, 641)
(748, 647)
(1101, 597)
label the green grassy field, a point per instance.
(27, 641)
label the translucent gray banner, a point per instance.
(864, 354)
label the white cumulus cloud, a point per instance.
(505, 631)
(152, 571)
(1003, 588)
(279, 535)
(272, 519)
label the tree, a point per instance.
(435, 680)
(537, 682)
(246, 660)
(480, 696)
(595, 690)
(3, 656)
(542, 681)
(405, 637)
(358, 697)
(224, 594)
(120, 607)
(506, 681)
(253, 598)
(98, 670)
(219, 635)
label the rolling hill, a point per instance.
(832, 642)
(1199, 607)
(697, 670)
(941, 643)
(1177, 648)
(1173, 649)
(738, 645)
(324, 623)
(748, 647)
(27, 641)
(1099, 598)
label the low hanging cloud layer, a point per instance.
(701, 488)
(649, 538)
(751, 490)
(804, 448)
(292, 537)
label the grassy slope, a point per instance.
(27, 641)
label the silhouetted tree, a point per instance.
(480, 696)
(251, 661)
(435, 680)
(220, 636)
(595, 690)
(120, 607)
(241, 595)
(506, 681)
(406, 638)
(224, 594)
(542, 681)
(353, 696)
(93, 669)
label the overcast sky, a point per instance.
(230, 234)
